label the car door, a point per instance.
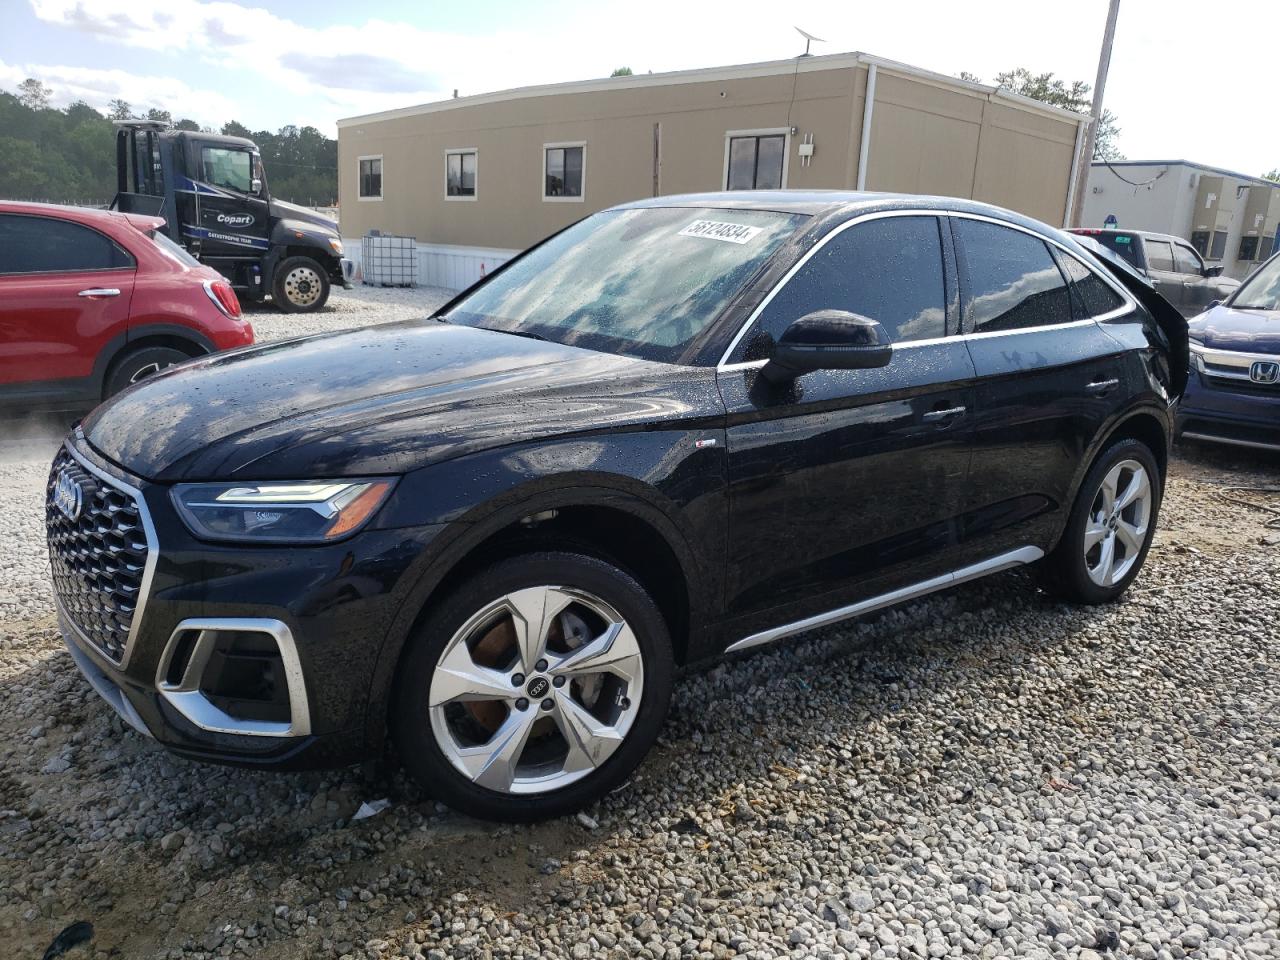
(64, 293)
(844, 484)
(1197, 289)
(1047, 377)
(233, 219)
(1161, 271)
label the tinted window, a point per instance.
(1219, 246)
(1159, 255)
(640, 282)
(232, 169)
(1185, 260)
(371, 177)
(461, 174)
(1200, 240)
(1013, 282)
(1121, 243)
(889, 270)
(755, 163)
(1248, 248)
(46, 245)
(1094, 296)
(564, 172)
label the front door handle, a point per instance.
(944, 414)
(96, 292)
(1103, 386)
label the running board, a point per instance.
(1005, 561)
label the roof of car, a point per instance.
(1093, 231)
(64, 211)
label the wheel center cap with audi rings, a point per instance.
(538, 688)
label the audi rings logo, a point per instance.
(68, 495)
(235, 219)
(1265, 371)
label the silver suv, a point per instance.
(1172, 264)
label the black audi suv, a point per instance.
(680, 427)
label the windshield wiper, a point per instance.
(517, 333)
(1252, 306)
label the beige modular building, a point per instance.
(476, 179)
(1231, 218)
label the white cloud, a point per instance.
(99, 87)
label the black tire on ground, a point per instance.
(411, 724)
(138, 365)
(301, 285)
(1064, 573)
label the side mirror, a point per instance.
(1215, 271)
(255, 187)
(1213, 303)
(828, 340)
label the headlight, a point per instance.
(335, 245)
(1197, 355)
(310, 511)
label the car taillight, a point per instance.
(223, 297)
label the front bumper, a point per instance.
(1233, 411)
(327, 609)
(348, 272)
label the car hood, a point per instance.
(283, 210)
(383, 400)
(1251, 331)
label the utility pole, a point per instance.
(1095, 116)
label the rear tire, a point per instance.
(138, 365)
(301, 285)
(514, 729)
(1109, 531)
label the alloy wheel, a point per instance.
(147, 370)
(1117, 525)
(536, 690)
(302, 286)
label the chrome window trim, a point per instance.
(148, 569)
(185, 695)
(1129, 302)
(1004, 561)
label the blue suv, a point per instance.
(1233, 395)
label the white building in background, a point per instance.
(1231, 218)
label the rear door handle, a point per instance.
(945, 414)
(99, 292)
(1103, 386)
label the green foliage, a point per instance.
(1047, 88)
(68, 156)
(622, 72)
(1273, 175)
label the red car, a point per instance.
(92, 301)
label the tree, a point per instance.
(621, 72)
(33, 94)
(233, 129)
(185, 124)
(1273, 175)
(159, 116)
(971, 77)
(119, 109)
(1047, 88)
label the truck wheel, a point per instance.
(139, 365)
(301, 285)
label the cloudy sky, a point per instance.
(273, 62)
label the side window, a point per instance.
(1092, 293)
(889, 270)
(1186, 261)
(1159, 255)
(46, 245)
(232, 169)
(370, 179)
(1013, 282)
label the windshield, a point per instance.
(1121, 243)
(642, 283)
(172, 250)
(1262, 290)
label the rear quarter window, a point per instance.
(1011, 280)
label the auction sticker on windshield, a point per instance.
(719, 230)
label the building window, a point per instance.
(1219, 246)
(371, 178)
(755, 160)
(1200, 240)
(1266, 248)
(460, 174)
(563, 171)
(1248, 249)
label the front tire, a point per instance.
(1110, 528)
(301, 285)
(533, 689)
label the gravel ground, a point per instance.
(981, 773)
